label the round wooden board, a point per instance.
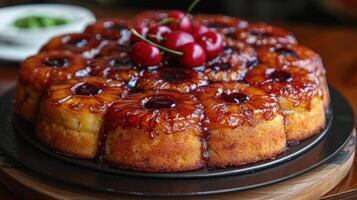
(311, 185)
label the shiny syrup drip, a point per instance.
(174, 76)
(204, 143)
(235, 97)
(285, 52)
(281, 76)
(159, 103)
(87, 89)
(56, 62)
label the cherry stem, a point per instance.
(179, 53)
(192, 6)
(167, 20)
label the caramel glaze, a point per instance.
(41, 70)
(232, 64)
(232, 104)
(82, 43)
(258, 34)
(250, 50)
(163, 111)
(221, 23)
(116, 66)
(92, 94)
(294, 83)
(147, 18)
(291, 54)
(112, 29)
(174, 78)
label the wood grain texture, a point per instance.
(311, 185)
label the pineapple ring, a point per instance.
(233, 104)
(291, 54)
(259, 34)
(155, 131)
(113, 49)
(243, 122)
(299, 94)
(173, 78)
(117, 67)
(221, 23)
(232, 64)
(38, 72)
(113, 29)
(70, 116)
(86, 44)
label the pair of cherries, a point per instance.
(192, 43)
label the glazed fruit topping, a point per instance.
(175, 38)
(176, 75)
(281, 76)
(144, 54)
(193, 55)
(158, 103)
(181, 21)
(56, 62)
(285, 51)
(199, 30)
(212, 43)
(87, 89)
(123, 63)
(142, 30)
(78, 42)
(260, 34)
(157, 33)
(235, 97)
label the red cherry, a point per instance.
(144, 54)
(193, 55)
(142, 30)
(212, 43)
(158, 32)
(183, 21)
(176, 39)
(198, 30)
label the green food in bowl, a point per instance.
(34, 22)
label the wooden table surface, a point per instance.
(337, 46)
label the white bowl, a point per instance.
(79, 18)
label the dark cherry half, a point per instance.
(159, 103)
(235, 97)
(281, 76)
(56, 62)
(87, 89)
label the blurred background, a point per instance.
(299, 11)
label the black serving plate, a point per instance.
(90, 175)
